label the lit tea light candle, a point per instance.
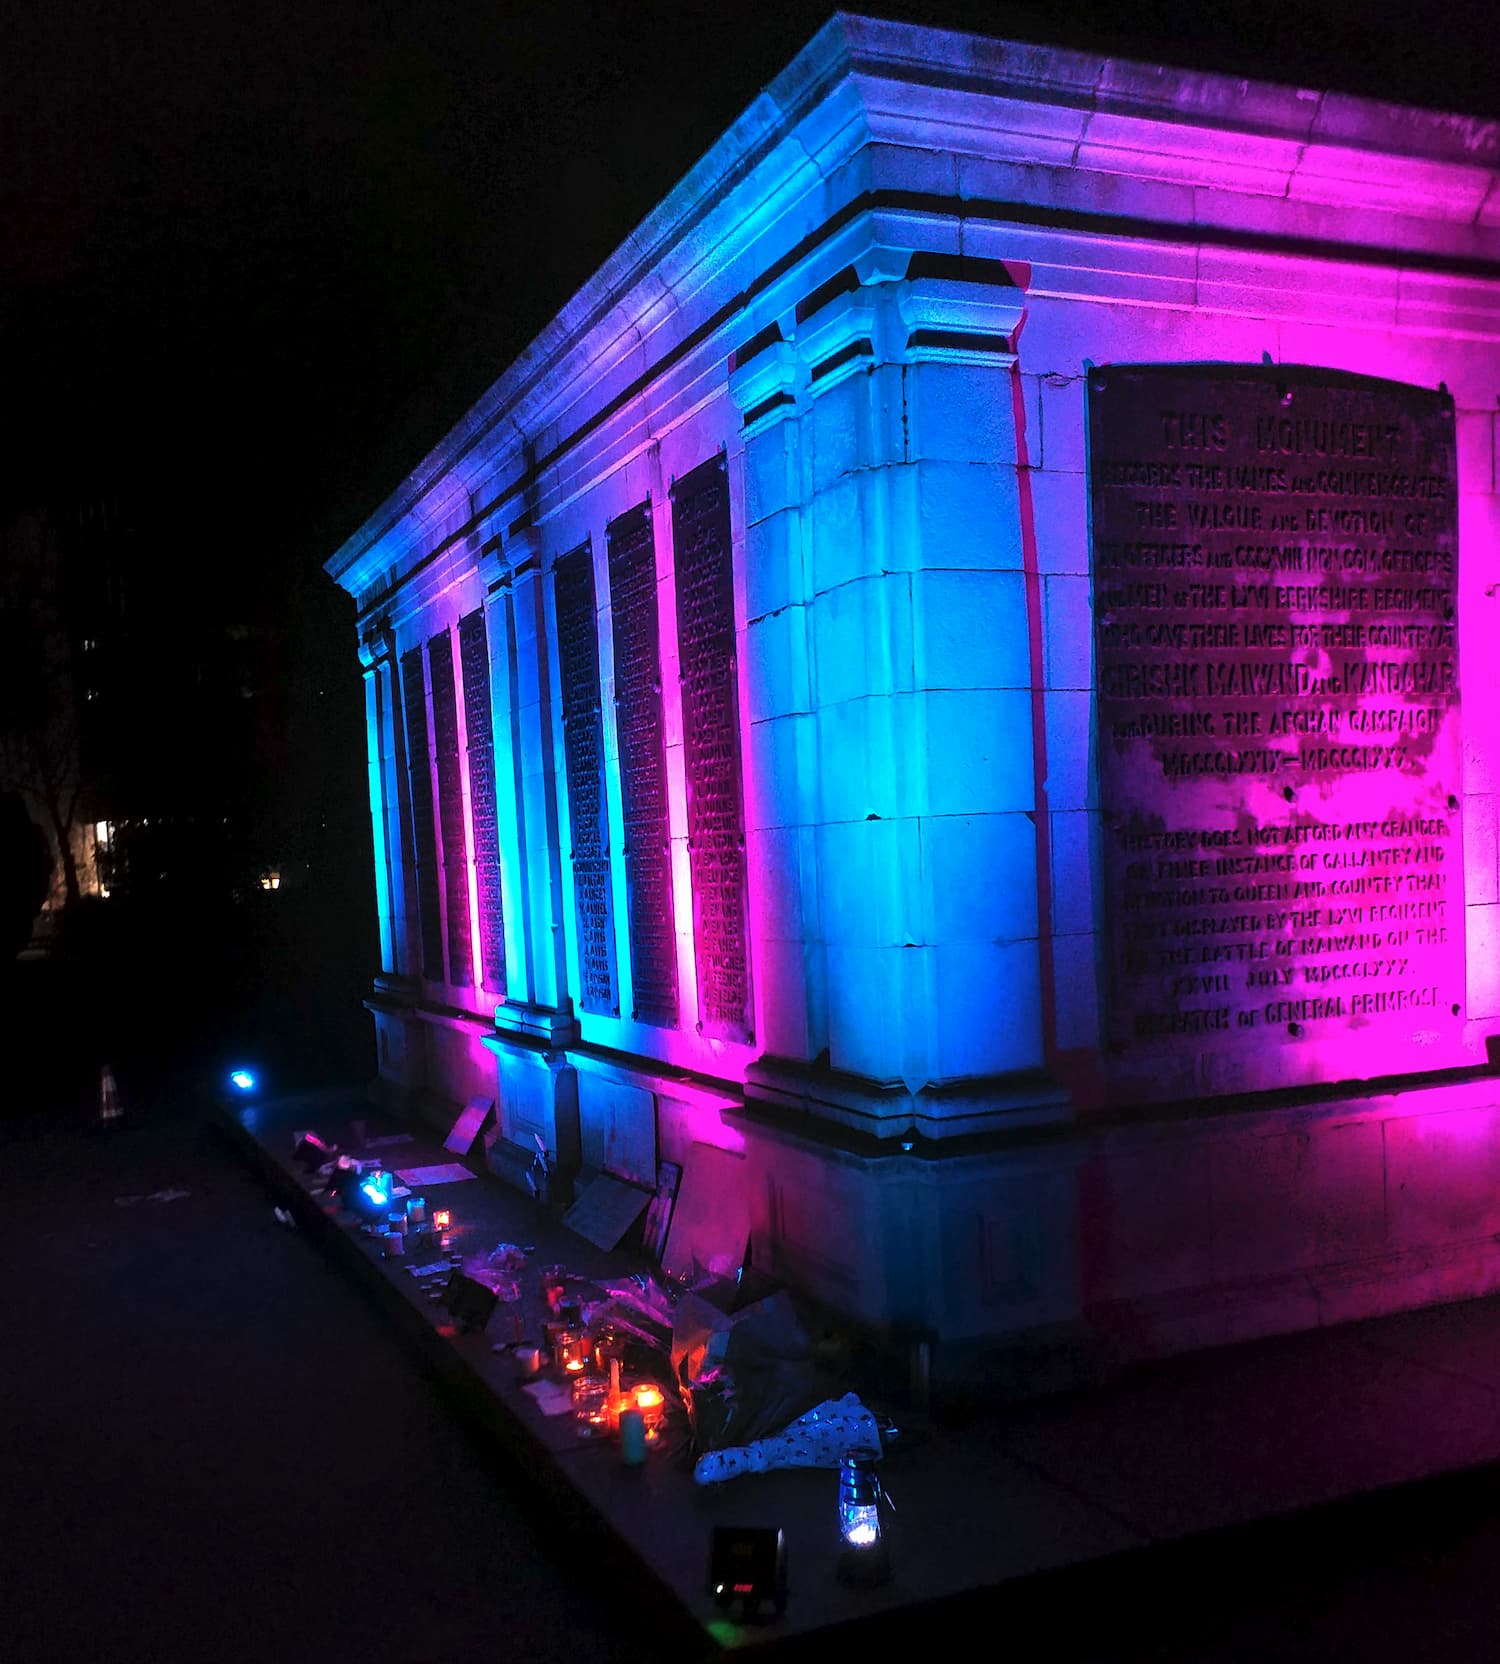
(651, 1401)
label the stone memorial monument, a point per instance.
(948, 697)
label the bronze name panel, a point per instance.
(1274, 572)
(424, 828)
(451, 810)
(583, 761)
(643, 767)
(702, 551)
(474, 658)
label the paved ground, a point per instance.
(211, 1449)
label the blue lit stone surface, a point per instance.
(904, 436)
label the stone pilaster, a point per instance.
(977, 677)
(538, 1094)
(535, 729)
(895, 675)
(396, 797)
(780, 754)
(400, 1053)
(377, 696)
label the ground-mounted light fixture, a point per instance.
(376, 1190)
(365, 1191)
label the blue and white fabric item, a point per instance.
(815, 1440)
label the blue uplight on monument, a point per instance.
(377, 1189)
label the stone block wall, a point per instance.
(879, 299)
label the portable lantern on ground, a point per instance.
(864, 1553)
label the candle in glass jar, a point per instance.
(651, 1401)
(608, 1343)
(590, 1406)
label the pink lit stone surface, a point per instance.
(918, 715)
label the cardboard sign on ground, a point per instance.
(607, 1209)
(711, 1221)
(469, 1125)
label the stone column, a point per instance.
(376, 696)
(977, 673)
(780, 743)
(509, 821)
(534, 730)
(399, 835)
(895, 670)
(537, 1085)
(399, 1050)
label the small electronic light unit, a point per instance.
(747, 1568)
(242, 1080)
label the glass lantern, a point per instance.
(864, 1553)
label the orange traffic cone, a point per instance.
(110, 1112)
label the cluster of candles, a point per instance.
(407, 1215)
(602, 1407)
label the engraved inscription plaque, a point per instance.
(711, 749)
(424, 832)
(643, 768)
(474, 658)
(451, 810)
(1274, 556)
(583, 760)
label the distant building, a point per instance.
(928, 700)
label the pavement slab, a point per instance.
(1092, 1485)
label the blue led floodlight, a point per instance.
(377, 1189)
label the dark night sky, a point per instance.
(258, 258)
(255, 260)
